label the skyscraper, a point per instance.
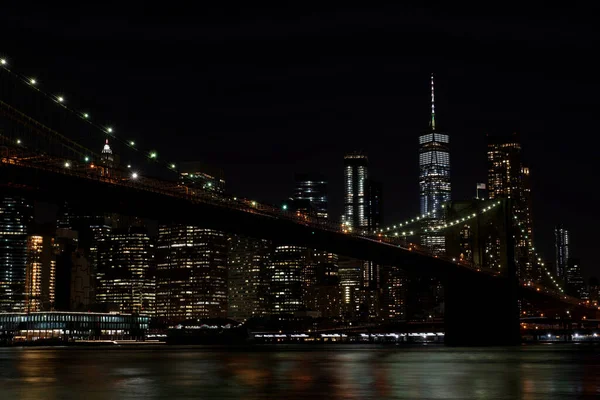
(191, 273)
(574, 278)
(16, 214)
(508, 178)
(247, 266)
(561, 246)
(356, 175)
(312, 188)
(286, 278)
(434, 181)
(126, 280)
(41, 274)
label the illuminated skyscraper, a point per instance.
(561, 245)
(508, 178)
(312, 188)
(247, 266)
(286, 278)
(574, 278)
(41, 274)
(16, 214)
(356, 175)
(191, 273)
(126, 280)
(434, 181)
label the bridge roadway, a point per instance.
(469, 292)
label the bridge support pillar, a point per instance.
(485, 313)
(481, 314)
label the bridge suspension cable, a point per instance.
(441, 227)
(106, 130)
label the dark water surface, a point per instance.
(297, 372)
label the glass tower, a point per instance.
(312, 189)
(356, 208)
(508, 178)
(434, 181)
(16, 213)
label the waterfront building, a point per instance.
(71, 326)
(434, 181)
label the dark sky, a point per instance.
(264, 93)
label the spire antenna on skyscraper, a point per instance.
(432, 105)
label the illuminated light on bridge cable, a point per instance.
(60, 99)
(18, 141)
(253, 203)
(32, 81)
(87, 159)
(172, 166)
(67, 164)
(134, 175)
(85, 115)
(109, 130)
(153, 155)
(132, 143)
(2, 61)
(128, 165)
(284, 206)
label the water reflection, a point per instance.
(287, 372)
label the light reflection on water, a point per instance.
(301, 372)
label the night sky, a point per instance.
(264, 93)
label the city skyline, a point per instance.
(251, 106)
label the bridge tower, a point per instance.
(486, 312)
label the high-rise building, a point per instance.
(312, 188)
(356, 175)
(126, 280)
(508, 178)
(322, 291)
(561, 246)
(434, 181)
(574, 278)
(286, 278)
(41, 274)
(16, 215)
(351, 273)
(393, 302)
(191, 273)
(247, 267)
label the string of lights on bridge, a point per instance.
(441, 227)
(106, 130)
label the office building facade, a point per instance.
(191, 273)
(16, 215)
(247, 268)
(126, 277)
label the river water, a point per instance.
(301, 372)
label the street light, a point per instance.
(134, 175)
